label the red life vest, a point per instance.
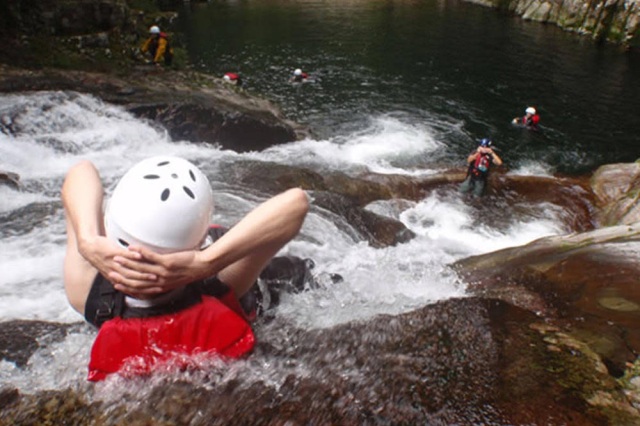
(134, 346)
(481, 166)
(531, 121)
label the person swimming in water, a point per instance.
(299, 76)
(232, 78)
(530, 120)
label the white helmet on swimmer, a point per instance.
(164, 203)
(154, 30)
(226, 78)
(297, 72)
(530, 110)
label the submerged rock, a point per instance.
(10, 179)
(20, 339)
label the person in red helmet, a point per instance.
(530, 120)
(158, 47)
(151, 275)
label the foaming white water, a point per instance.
(451, 222)
(46, 133)
(532, 168)
(382, 148)
(58, 365)
(31, 282)
(12, 199)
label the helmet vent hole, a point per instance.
(151, 177)
(173, 175)
(165, 194)
(193, 176)
(123, 242)
(163, 163)
(188, 192)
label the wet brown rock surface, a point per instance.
(617, 190)
(462, 361)
(20, 339)
(586, 281)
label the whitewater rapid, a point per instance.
(43, 134)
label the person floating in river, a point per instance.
(480, 162)
(530, 120)
(232, 78)
(299, 76)
(151, 274)
(158, 47)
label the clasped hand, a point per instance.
(161, 272)
(140, 272)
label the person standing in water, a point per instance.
(148, 274)
(158, 47)
(479, 163)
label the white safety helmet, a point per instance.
(154, 30)
(530, 110)
(164, 203)
(226, 78)
(297, 72)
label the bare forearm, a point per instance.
(270, 225)
(237, 257)
(82, 196)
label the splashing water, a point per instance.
(43, 134)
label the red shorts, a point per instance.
(213, 326)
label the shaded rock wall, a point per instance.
(616, 21)
(67, 17)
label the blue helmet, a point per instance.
(485, 142)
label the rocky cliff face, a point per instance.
(616, 21)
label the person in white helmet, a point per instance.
(232, 78)
(299, 76)
(158, 47)
(530, 120)
(147, 272)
